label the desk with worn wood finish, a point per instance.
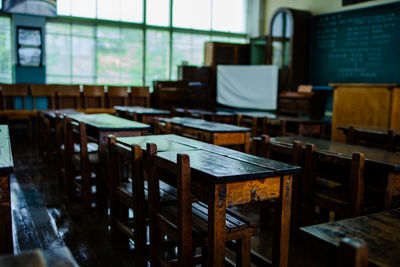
(380, 232)
(208, 115)
(224, 177)
(6, 167)
(382, 137)
(143, 114)
(382, 168)
(211, 132)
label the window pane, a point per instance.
(58, 60)
(132, 10)
(5, 50)
(58, 28)
(157, 12)
(157, 56)
(82, 56)
(189, 48)
(110, 10)
(64, 7)
(192, 14)
(232, 19)
(119, 59)
(83, 8)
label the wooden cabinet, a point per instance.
(365, 104)
(216, 53)
(288, 46)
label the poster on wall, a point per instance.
(29, 42)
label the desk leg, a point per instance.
(103, 171)
(6, 243)
(280, 251)
(247, 143)
(216, 226)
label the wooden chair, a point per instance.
(93, 96)
(82, 167)
(352, 253)
(140, 96)
(387, 142)
(43, 90)
(332, 182)
(162, 127)
(117, 96)
(68, 96)
(9, 93)
(129, 191)
(168, 94)
(185, 221)
(261, 146)
(273, 127)
(248, 122)
(46, 138)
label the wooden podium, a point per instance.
(365, 104)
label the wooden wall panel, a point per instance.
(395, 112)
(359, 104)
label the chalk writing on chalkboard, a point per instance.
(356, 46)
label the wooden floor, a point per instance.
(43, 217)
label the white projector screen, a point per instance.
(253, 87)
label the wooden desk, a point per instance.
(380, 231)
(51, 114)
(382, 168)
(224, 177)
(145, 115)
(211, 132)
(380, 136)
(99, 126)
(6, 167)
(60, 256)
(208, 115)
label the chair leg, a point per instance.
(243, 257)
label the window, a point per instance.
(119, 55)
(5, 50)
(188, 48)
(157, 12)
(192, 14)
(103, 48)
(157, 56)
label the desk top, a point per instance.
(376, 157)
(380, 231)
(107, 122)
(6, 159)
(255, 165)
(62, 112)
(163, 144)
(217, 113)
(203, 125)
(142, 110)
(376, 130)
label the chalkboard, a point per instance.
(356, 46)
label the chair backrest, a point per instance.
(251, 122)
(11, 91)
(160, 168)
(117, 96)
(43, 90)
(382, 141)
(168, 94)
(273, 127)
(162, 127)
(327, 173)
(93, 96)
(140, 96)
(68, 96)
(293, 154)
(352, 253)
